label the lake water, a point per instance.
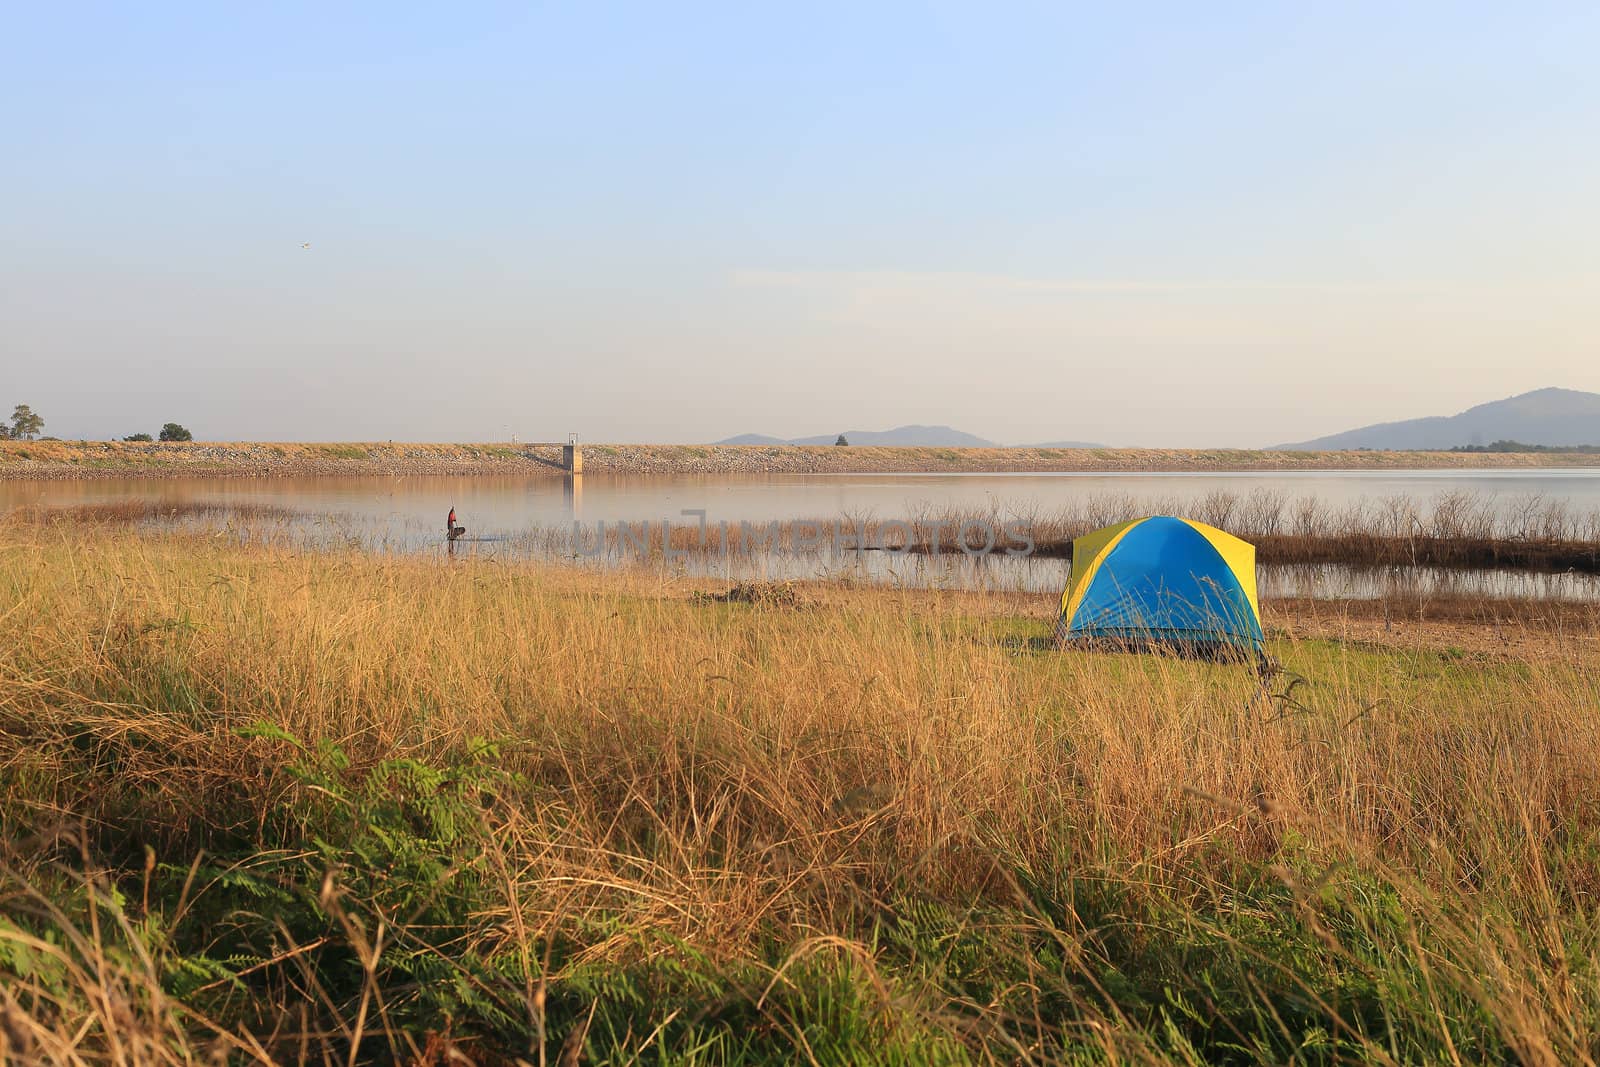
(517, 516)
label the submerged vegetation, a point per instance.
(266, 806)
(1450, 530)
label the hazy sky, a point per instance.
(1147, 223)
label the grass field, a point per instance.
(265, 807)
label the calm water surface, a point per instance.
(517, 516)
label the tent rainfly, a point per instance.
(1163, 581)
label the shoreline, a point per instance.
(74, 460)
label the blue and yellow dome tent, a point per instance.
(1163, 581)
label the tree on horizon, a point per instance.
(25, 424)
(173, 432)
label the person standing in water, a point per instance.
(451, 529)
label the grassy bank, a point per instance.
(95, 459)
(305, 808)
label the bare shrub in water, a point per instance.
(1262, 512)
(1309, 517)
(1397, 517)
(1216, 508)
(1462, 515)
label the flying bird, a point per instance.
(305, 244)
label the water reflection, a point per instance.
(523, 517)
(505, 504)
(572, 493)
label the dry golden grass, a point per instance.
(77, 459)
(865, 825)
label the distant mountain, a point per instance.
(1063, 444)
(899, 437)
(1542, 417)
(753, 439)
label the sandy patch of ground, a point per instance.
(1517, 629)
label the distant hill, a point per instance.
(1542, 417)
(1063, 444)
(899, 437)
(754, 439)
